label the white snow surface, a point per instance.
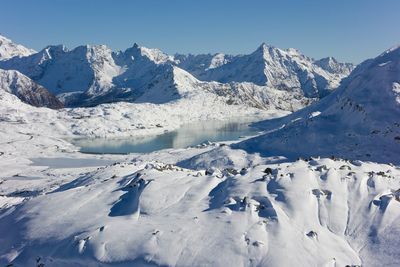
(121, 120)
(153, 210)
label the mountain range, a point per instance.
(90, 75)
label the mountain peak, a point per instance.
(59, 47)
(264, 46)
(395, 51)
(153, 54)
(331, 64)
(9, 49)
(2, 37)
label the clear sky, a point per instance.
(350, 30)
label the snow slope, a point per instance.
(174, 83)
(27, 90)
(248, 212)
(122, 120)
(9, 49)
(359, 120)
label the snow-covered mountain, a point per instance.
(331, 65)
(90, 75)
(27, 90)
(361, 119)
(85, 68)
(270, 66)
(9, 49)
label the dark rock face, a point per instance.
(39, 96)
(27, 90)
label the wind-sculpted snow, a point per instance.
(321, 213)
(360, 120)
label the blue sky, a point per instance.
(350, 30)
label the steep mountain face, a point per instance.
(140, 66)
(171, 84)
(9, 49)
(85, 68)
(197, 65)
(359, 120)
(268, 66)
(27, 90)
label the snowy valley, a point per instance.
(319, 185)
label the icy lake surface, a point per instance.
(188, 135)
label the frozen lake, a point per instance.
(187, 135)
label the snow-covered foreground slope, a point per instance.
(249, 211)
(360, 120)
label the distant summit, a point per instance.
(330, 64)
(9, 49)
